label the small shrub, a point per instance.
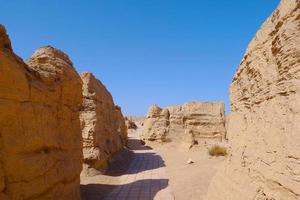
(216, 150)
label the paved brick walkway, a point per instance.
(145, 178)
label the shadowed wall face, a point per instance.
(104, 130)
(139, 174)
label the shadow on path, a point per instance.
(142, 156)
(139, 170)
(141, 189)
(136, 144)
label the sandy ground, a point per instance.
(98, 187)
(185, 181)
(188, 181)
(141, 174)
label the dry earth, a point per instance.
(41, 141)
(138, 174)
(158, 173)
(189, 181)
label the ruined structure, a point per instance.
(103, 126)
(40, 137)
(130, 124)
(264, 129)
(202, 121)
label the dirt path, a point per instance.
(141, 177)
(189, 181)
(147, 174)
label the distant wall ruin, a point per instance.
(205, 120)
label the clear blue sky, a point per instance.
(145, 51)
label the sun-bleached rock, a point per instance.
(190, 161)
(188, 140)
(40, 135)
(201, 120)
(156, 124)
(205, 119)
(264, 128)
(104, 130)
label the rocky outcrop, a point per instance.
(40, 137)
(264, 129)
(103, 126)
(200, 120)
(130, 124)
(156, 124)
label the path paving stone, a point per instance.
(145, 178)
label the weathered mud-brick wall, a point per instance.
(264, 128)
(130, 124)
(120, 121)
(40, 137)
(203, 120)
(156, 124)
(103, 126)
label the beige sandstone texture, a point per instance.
(103, 126)
(193, 122)
(40, 135)
(121, 124)
(156, 124)
(130, 124)
(264, 128)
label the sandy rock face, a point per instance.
(121, 124)
(5, 44)
(40, 137)
(103, 126)
(264, 128)
(156, 124)
(199, 120)
(206, 120)
(130, 124)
